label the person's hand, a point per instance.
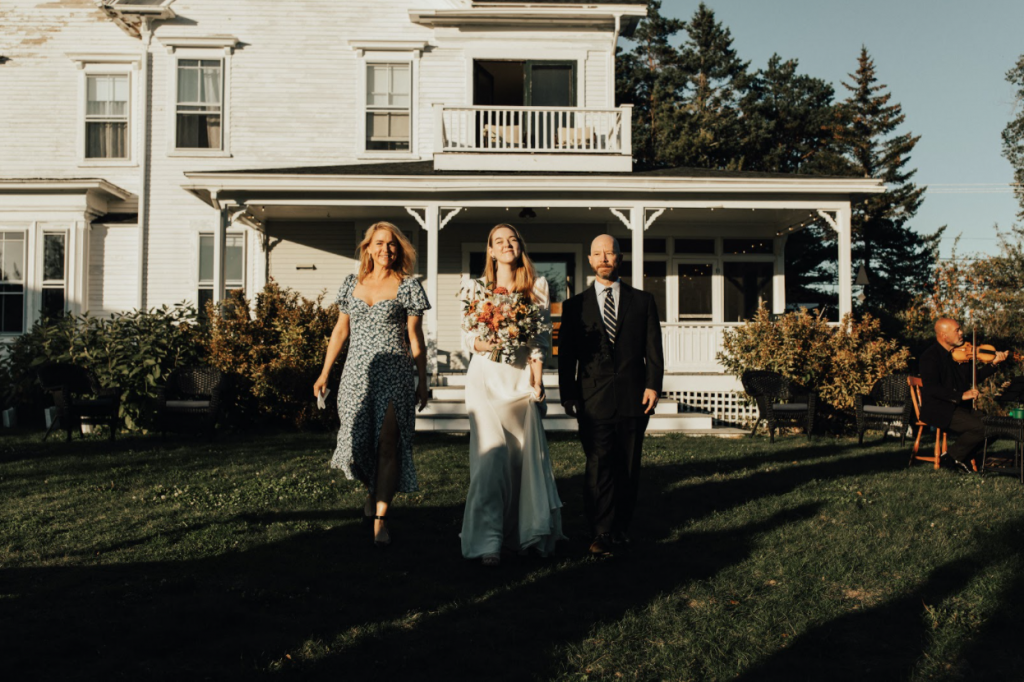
(538, 390)
(571, 407)
(971, 394)
(320, 386)
(1000, 356)
(650, 400)
(422, 395)
(482, 346)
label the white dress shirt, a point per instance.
(599, 289)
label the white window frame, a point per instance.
(243, 283)
(396, 52)
(107, 65)
(183, 48)
(53, 283)
(26, 278)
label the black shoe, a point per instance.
(621, 539)
(963, 467)
(601, 546)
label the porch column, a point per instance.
(433, 229)
(218, 256)
(779, 280)
(637, 220)
(76, 284)
(843, 226)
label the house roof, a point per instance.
(426, 168)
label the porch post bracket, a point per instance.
(419, 219)
(652, 217)
(451, 214)
(625, 221)
(830, 220)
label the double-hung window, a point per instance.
(234, 266)
(199, 107)
(12, 282)
(106, 116)
(55, 268)
(388, 106)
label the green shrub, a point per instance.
(133, 351)
(274, 356)
(838, 362)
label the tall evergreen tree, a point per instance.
(898, 260)
(648, 77)
(706, 130)
(1013, 134)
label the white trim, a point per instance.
(225, 43)
(224, 57)
(363, 46)
(83, 59)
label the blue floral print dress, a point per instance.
(378, 370)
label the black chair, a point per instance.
(79, 398)
(780, 401)
(1008, 428)
(886, 405)
(190, 401)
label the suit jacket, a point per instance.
(609, 382)
(943, 383)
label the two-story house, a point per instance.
(157, 151)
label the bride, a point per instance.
(512, 502)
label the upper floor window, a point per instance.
(199, 109)
(106, 116)
(12, 282)
(388, 106)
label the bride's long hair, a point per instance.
(524, 274)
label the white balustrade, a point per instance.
(534, 129)
(692, 347)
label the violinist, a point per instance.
(948, 387)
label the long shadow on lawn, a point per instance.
(888, 641)
(234, 615)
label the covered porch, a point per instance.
(710, 246)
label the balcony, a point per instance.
(504, 138)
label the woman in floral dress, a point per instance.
(380, 321)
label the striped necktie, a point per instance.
(609, 315)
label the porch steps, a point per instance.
(446, 411)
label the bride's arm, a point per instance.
(471, 342)
(540, 344)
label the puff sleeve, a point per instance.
(345, 293)
(540, 345)
(412, 297)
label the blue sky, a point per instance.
(944, 60)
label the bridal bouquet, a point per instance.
(506, 319)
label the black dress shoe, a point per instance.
(963, 467)
(601, 546)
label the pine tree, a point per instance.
(648, 78)
(1013, 134)
(706, 126)
(898, 260)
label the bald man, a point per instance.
(610, 368)
(947, 392)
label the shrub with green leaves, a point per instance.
(274, 352)
(133, 351)
(839, 362)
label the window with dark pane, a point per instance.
(685, 247)
(655, 283)
(695, 280)
(747, 286)
(106, 117)
(54, 274)
(200, 102)
(12, 282)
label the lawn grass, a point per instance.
(245, 559)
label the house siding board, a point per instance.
(595, 80)
(329, 246)
(113, 268)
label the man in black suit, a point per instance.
(947, 391)
(610, 368)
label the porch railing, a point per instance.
(555, 130)
(692, 347)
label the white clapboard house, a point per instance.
(155, 151)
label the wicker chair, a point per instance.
(887, 404)
(780, 401)
(1009, 428)
(79, 398)
(190, 401)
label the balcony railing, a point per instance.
(693, 347)
(548, 130)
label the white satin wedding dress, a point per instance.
(512, 501)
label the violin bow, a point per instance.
(974, 362)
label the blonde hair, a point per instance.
(405, 259)
(524, 274)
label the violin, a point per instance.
(984, 353)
